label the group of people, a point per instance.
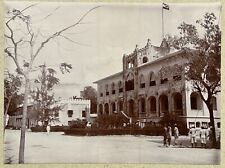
(203, 133)
(167, 135)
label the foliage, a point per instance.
(12, 98)
(203, 69)
(111, 121)
(45, 104)
(78, 123)
(90, 93)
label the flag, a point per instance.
(165, 6)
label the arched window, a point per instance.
(177, 103)
(130, 64)
(107, 89)
(120, 105)
(100, 91)
(142, 81)
(142, 105)
(113, 107)
(145, 59)
(152, 103)
(120, 85)
(152, 79)
(113, 88)
(196, 102)
(100, 109)
(129, 85)
(106, 108)
(163, 104)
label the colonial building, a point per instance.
(151, 84)
(72, 109)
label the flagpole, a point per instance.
(162, 24)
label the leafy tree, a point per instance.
(90, 93)
(204, 54)
(12, 85)
(44, 98)
(23, 46)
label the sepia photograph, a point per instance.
(112, 83)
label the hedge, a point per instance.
(153, 131)
(52, 128)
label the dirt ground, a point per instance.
(59, 148)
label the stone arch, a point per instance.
(177, 103)
(106, 108)
(100, 106)
(196, 101)
(163, 104)
(113, 107)
(152, 105)
(142, 107)
(131, 107)
(120, 105)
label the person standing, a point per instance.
(203, 135)
(164, 135)
(169, 134)
(176, 134)
(48, 129)
(192, 134)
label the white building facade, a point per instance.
(73, 109)
(152, 84)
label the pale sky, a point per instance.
(104, 36)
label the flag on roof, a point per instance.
(165, 6)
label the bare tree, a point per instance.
(24, 43)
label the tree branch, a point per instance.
(61, 31)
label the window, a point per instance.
(142, 81)
(101, 94)
(197, 124)
(131, 64)
(106, 88)
(196, 101)
(152, 83)
(145, 59)
(163, 81)
(205, 124)
(120, 87)
(129, 84)
(70, 113)
(193, 103)
(218, 125)
(191, 124)
(152, 79)
(83, 113)
(113, 88)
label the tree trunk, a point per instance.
(6, 111)
(23, 126)
(212, 124)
